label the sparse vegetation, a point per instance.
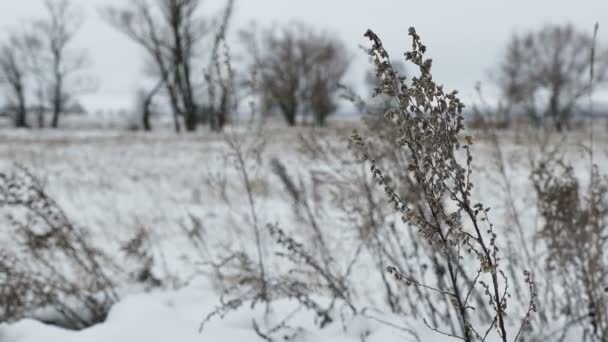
(426, 218)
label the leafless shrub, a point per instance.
(139, 248)
(575, 233)
(234, 268)
(349, 191)
(306, 272)
(51, 271)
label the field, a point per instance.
(177, 170)
(201, 201)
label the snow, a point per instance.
(163, 316)
(115, 181)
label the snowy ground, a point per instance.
(113, 182)
(176, 316)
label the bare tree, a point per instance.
(220, 76)
(296, 70)
(170, 31)
(275, 67)
(56, 33)
(546, 73)
(327, 65)
(14, 74)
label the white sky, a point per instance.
(465, 38)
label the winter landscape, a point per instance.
(283, 181)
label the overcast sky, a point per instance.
(465, 38)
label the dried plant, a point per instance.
(430, 124)
(301, 271)
(139, 249)
(51, 264)
(350, 191)
(576, 236)
(429, 186)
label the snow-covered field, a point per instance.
(115, 183)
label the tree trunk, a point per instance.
(559, 126)
(55, 120)
(181, 60)
(146, 117)
(290, 111)
(554, 111)
(291, 120)
(57, 100)
(321, 119)
(219, 115)
(20, 118)
(21, 114)
(176, 124)
(147, 104)
(41, 117)
(40, 110)
(190, 120)
(191, 107)
(174, 105)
